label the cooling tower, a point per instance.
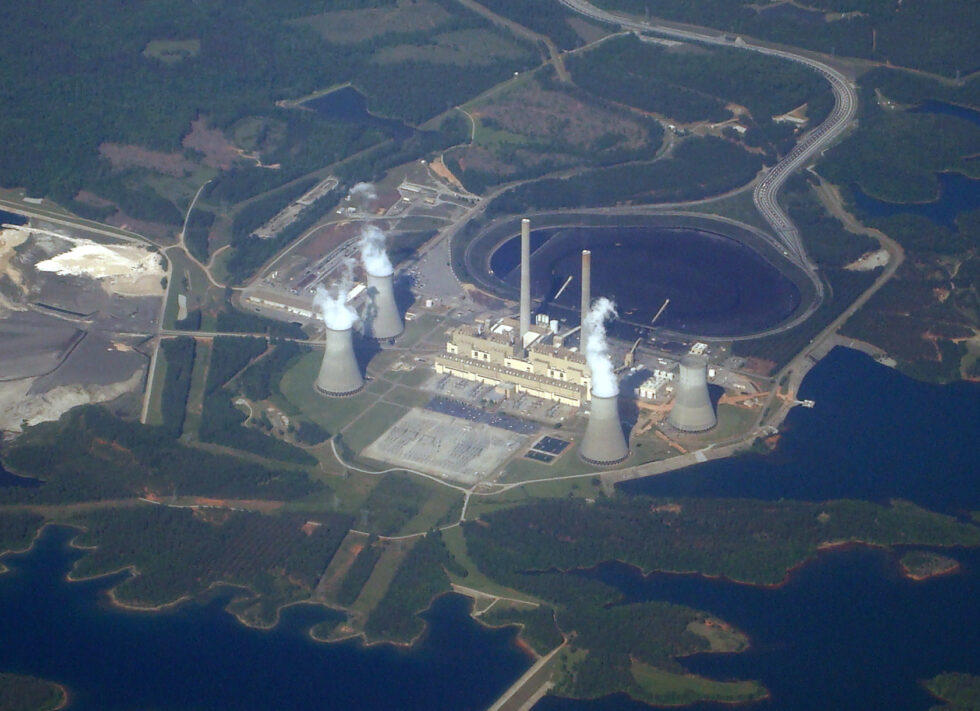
(586, 291)
(339, 375)
(381, 318)
(604, 444)
(525, 278)
(692, 411)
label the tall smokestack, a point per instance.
(603, 443)
(525, 278)
(586, 292)
(381, 318)
(692, 411)
(339, 374)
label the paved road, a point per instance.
(767, 189)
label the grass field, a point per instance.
(441, 506)
(153, 414)
(377, 585)
(372, 424)
(195, 397)
(296, 387)
(663, 687)
(456, 543)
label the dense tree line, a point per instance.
(692, 172)
(179, 354)
(229, 354)
(196, 236)
(420, 578)
(825, 238)
(28, 693)
(261, 379)
(359, 572)
(695, 85)
(91, 454)
(922, 34)
(222, 423)
(17, 530)
(178, 552)
(714, 537)
(537, 625)
(844, 287)
(894, 155)
(546, 17)
(230, 319)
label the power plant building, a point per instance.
(491, 353)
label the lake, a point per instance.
(198, 656)
(716, 285)
(873, 434)
(847, 631)
(957, 193)
(349, 105)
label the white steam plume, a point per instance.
(373, 252)
(332, 302)
(597, 350)
(365, 190)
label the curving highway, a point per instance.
(814, 141)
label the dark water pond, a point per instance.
(716, 285)
(957, 193)
(12, 218)
(873, 434)
(348, 104)
(941, 107)
(200, 657)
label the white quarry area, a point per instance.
(19, 407)
(126, 269)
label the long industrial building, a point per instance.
(491, 353)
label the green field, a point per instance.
(665, 688)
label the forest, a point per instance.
(180, 552)
(921, 34)
(179, 356)
(689, 174)
(90, 454)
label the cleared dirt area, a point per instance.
(218, 151)
(129, 156)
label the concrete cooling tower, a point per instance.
(692, 411)
(604, 444)
(381, 318)
(339, 374)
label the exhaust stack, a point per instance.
(525, 320)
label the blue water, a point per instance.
(716, 285)
(873, 434)
(846, 632)
(941, 107)
(12, 218)
(199, 657)
(957, 193)
(350, 105)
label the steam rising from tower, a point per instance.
(339, 374)
(586, 292)
(692, 411)
(603, 443)
(381, 317)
